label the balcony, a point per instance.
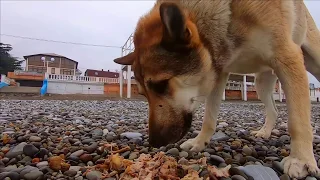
(25, 75)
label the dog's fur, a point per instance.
(185, 49)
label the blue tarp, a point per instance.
(44, 87)
(2, 84)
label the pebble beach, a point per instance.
(78, 139)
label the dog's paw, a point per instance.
(263, 133)
(295, 168)
(195, 145)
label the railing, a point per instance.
(21, 72)
(60, 77)
(233, 87)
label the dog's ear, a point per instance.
(126, 60)
(175, 26)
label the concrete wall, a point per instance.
(56, 87)
(21, 89)
(314, 94)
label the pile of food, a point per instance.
(160, 166)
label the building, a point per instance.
(102, 73)
(39, 64)
(51, 63)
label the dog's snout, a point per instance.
(174, 129)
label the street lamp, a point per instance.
(47, 62)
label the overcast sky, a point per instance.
(90, 22)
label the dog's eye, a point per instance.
(160, 87)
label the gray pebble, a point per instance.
(30, 150)
(11, 175)
(94, 175)
(216, 159)
(173, 152)
(259, 172)
(311, 178)
(284, 177)
(237, 177)
(284, 139)
(196, 167)
(17, 150)
(125, 154)
(33, 175)
(206, 154)
(247, 150)
(183, 154)
(133, 155)
(144, 150)
(35, 139)
(131, 135)
(77, 153)
(70, 173)
(42, 164)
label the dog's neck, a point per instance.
(213, 20)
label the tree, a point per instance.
(8, 63)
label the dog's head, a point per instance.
(172, 69)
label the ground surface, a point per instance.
(35, 132)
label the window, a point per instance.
(96, 73)
(53, 70)
(66, 71)
(37, 69)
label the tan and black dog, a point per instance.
(185, 49)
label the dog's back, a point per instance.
(235, 20)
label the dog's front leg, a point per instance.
(212, 106)
(292, 74)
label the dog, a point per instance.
(186, 49)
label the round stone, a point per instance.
(311, 178)
(70, 173)
(284, 177)
(236, 171)
(35, 139)
(94, 175)
(133, 155)
(173, 151)
(284, 139)
(30, 150)
(238, 177)
(216, 160)
(246, 150)
(183, 154)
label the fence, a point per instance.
(61, 77)
(21, 72)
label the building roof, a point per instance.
(101, 73)
(52, 55)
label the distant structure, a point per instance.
(51, 63)
(101, 73)
(39, 64)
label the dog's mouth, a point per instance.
(162, 136)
